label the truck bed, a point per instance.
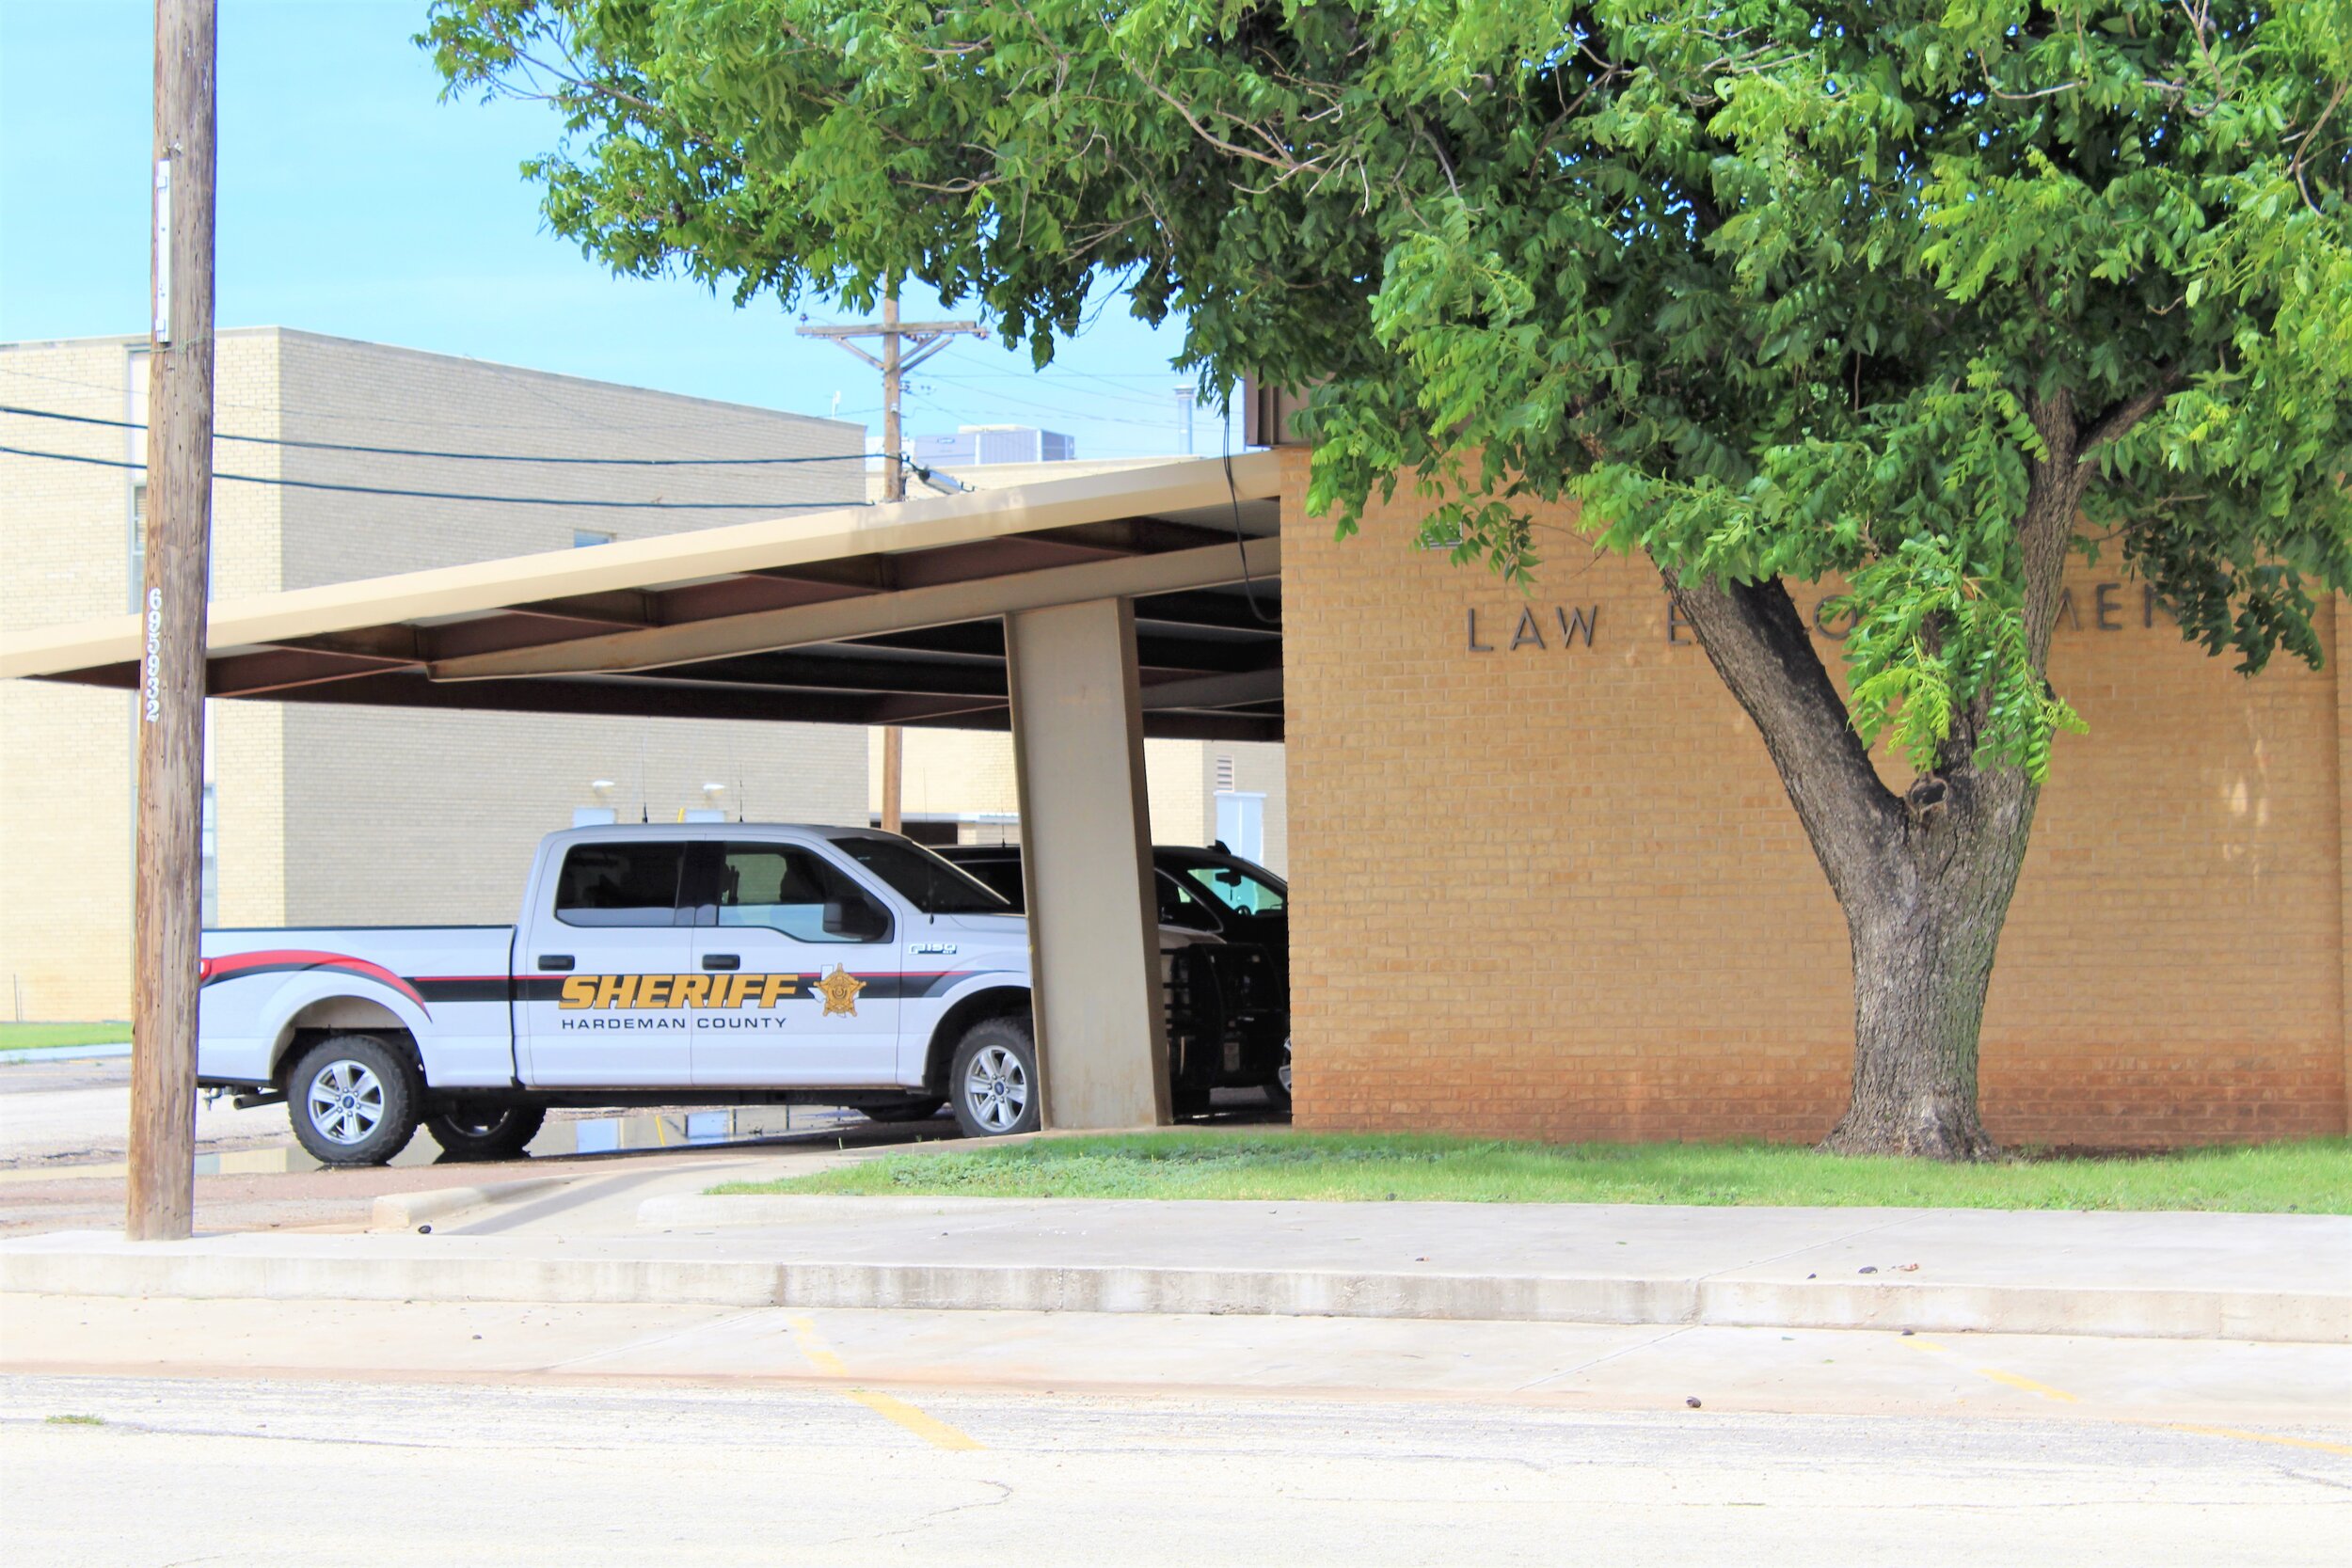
(450, 984)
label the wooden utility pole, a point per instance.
(167, 906)
(928, 337)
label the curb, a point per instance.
(64, 1053)
(406, 1210)
(701, 1211)
(287, 1270)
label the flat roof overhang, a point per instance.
(867, 615)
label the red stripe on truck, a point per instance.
(229, 966)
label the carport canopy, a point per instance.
(866, 615)
(1082, 613)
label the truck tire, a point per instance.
(904, 1109)
(486, 1131)
(1278, 1084)
(353, 1100)
(993, 1081)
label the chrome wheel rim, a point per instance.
(1282, 1073)
(346, 1101)
(996, 1089)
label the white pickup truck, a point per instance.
(705, 964)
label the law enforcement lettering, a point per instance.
(583, 992)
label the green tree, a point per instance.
(1924, 296)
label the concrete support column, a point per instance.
(1077, 731)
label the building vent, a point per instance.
(1224, 773)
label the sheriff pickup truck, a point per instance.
(711, 964)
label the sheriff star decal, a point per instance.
(840, 990)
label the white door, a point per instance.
(1241, 823)
(814, 953)
(601, 968)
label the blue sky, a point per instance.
(353, 201)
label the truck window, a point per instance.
(1236, 890)
(801, 894)
(620, 884)
(921, 878)
(1179, 908)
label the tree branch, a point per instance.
(2118, 422)
(1765, 654)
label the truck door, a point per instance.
(599, 970)
(805, 960)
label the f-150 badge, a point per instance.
(839, 989)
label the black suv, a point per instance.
(1238, 901)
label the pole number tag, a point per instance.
(152, 687)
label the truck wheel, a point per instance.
(486, 1131)
(993, 1082)
(1277, 1086)
(353, 1100)
(904, 1109)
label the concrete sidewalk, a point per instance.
(2280, 1277)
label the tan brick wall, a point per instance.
(65, 753)
(2343, 847)
(948, 773)
(68, 755)
(1560, 893)
(396, 819)
(335, 389)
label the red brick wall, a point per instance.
(1559, 893)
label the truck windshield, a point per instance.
(925, 880)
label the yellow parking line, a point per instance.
(2263, 1437)
(929, 1428)
(2028, 1384)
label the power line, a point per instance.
(1063, 411)
(525, 380)
(455, 496)
(453, 456)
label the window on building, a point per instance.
(138, 544)
(209, 834)
(138, 552)
(1241, 823)
(584, 537)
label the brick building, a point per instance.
(1552, 886)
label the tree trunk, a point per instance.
(1925, 878)
(1924, 937)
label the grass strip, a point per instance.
(2312, 1175)
(34, 1037)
